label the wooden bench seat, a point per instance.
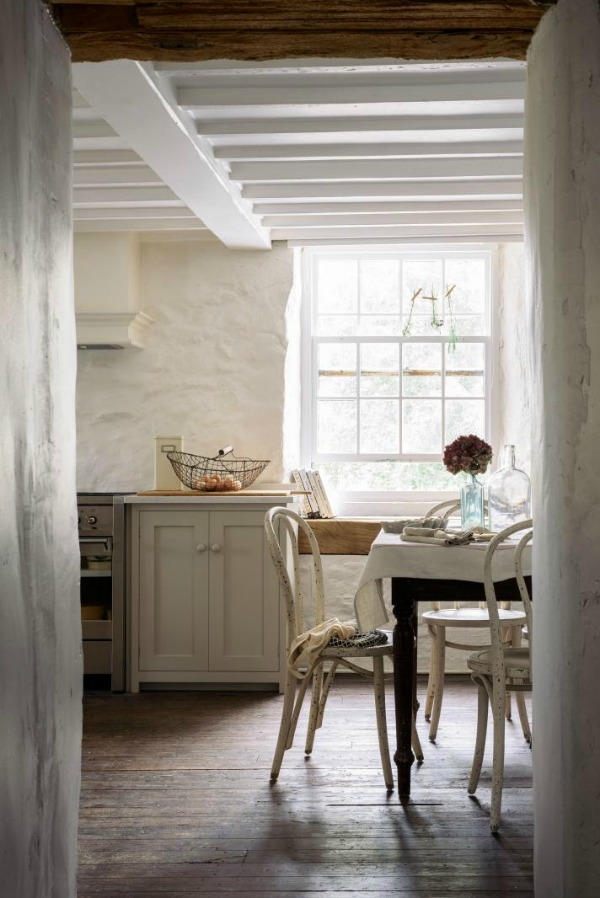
(342, 536)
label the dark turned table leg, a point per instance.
(404, 682)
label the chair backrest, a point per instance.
(490, 591)
(443, 509)
(286, 558)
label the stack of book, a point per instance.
(315, 503)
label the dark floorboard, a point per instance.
(176, 802)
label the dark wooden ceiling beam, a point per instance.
(188, 30)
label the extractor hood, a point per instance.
(111, 330)
(108, 303)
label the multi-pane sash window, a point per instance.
(400, 354)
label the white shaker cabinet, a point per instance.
(204, 595)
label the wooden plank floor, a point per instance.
(176, 801)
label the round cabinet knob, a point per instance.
(215, 547)
(201, 547)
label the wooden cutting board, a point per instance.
(232, 493)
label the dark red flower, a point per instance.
(467, 453)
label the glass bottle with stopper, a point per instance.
(509, 493)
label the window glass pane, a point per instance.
(379, 326)
(380, 369)
(422, 426)
(382, 476)
(421, 369)
(337, 286)
(337, 325)
(336, 426)
(379, 425)
(424, 275)
(468, 278)
(470, 326)
(464, 416)
(337, 369)
(380, 286)
(465, 365)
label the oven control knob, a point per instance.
(92, 519)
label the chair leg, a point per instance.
(384, 749)
(520, 696)
(431, 678)
(438, 648)
(508, 638)
(284, 726)
(498, 700)
(317, 685)
(522, 709)
(416, 742)
(297, 708)
(482, 719)
(325, 692)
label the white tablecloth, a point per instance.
(390, 557)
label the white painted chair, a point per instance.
(277, 521)
(499, 670)
(440, 620)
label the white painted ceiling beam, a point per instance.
(358, 97)
(353, 219)
(136, 174)
(377, 127)
(128, 96)
(386, 169)
(104, 157)
(408, 231)
(94, 128)
(340, 68)
(460, 240)
(130, 196)
(373, 189)
(431, 206)
(157, 224)
(491, 148)
(128, 213)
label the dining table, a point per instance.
(423, 572)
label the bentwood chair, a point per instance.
(441, 620)
(372, 647)
(499, 670)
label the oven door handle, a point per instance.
(106, 540)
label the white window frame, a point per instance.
(406, 501)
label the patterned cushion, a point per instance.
(359, 640)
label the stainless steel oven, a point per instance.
(101, 522)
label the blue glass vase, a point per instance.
(471, 503)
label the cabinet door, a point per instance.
(244, 595)
(173, 579)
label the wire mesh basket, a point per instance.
(222, 473)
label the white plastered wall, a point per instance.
(40, 629)
(214, 368)
(562, 191)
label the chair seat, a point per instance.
(373, 652)
(517, 661)
(472, 617)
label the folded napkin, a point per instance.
(399, 525)
(437, 537)
(306, 648)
